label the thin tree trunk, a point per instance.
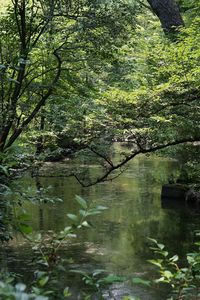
(168, 13)
(39, 144)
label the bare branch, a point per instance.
(105, 176)
(101, 155)
(35, 77)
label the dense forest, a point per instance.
(88, 88)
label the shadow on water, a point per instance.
(118, 243)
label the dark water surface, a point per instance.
(118, 243)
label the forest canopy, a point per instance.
(86, 86)
(79, 75)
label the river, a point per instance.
(118, 241)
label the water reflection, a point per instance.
(118, 242)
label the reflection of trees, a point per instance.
(123, 231)
(41, 210)
(177, 230)
(47, 218)
(52, 216)
(134, 213)
(6, 216)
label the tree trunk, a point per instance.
(168, 13)
(39, 144)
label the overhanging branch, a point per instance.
(128, 158)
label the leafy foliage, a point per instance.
(17, 292)
(47, 258)
(184, 281)
(54, 51)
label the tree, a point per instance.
(22, 30)
(169, 14)
(163, 109)
(43, 44)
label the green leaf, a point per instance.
(24, 217)
(86, 224)
(153, 241)
(98, 271)
(93, 212)
(35, 290)
(137, 280)
(67, 229)
(24, 228)
(157, 263)
(81, 201)
(20, 287)
(4, 170)
(83, 213)
(43, 280)
(112, 278)
(40, 274)
(66, 292)
(167, 274)
(161, 246)
(174, 258)
(161, 279)
(164, 253)
(73, 217)
(100, 207)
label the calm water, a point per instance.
(118, 243)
